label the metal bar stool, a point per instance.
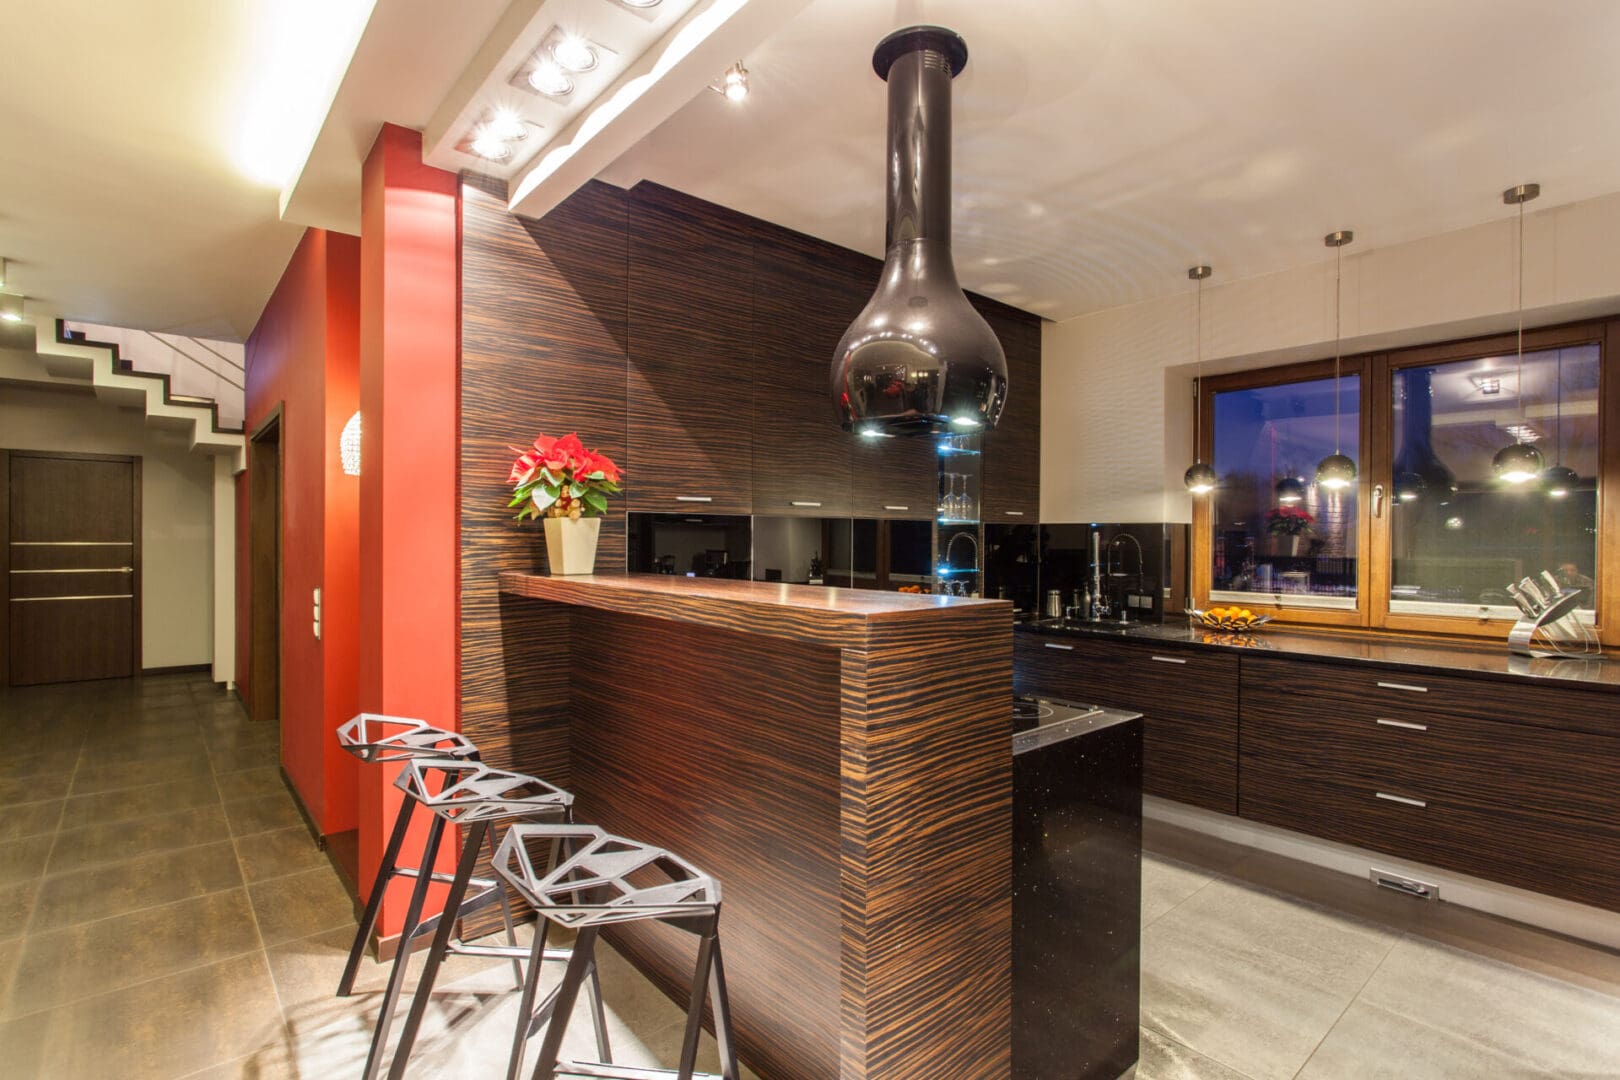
(600, 881)
(381, 740)
(476, 797)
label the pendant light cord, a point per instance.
(1519, 300)
(1338, 341)
(1558, 414)
(1198, 382)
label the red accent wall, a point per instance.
(303, 357)
(409, 532)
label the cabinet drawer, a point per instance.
(1573, 859)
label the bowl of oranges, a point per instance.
(1229, 618)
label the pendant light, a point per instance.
(1200, 478)
(1558, 480)
(1336, 471)
(1519, 462)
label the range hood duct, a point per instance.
(919, 359)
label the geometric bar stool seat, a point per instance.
(603, 880)
(475, 797)
(379, 739)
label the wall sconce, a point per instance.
(349, 446)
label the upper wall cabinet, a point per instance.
(689, 385)
(806, 293)
(1012, 452)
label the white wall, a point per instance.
(1116, 385)
(177, 507)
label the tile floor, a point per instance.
(164, 914)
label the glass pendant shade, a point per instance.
(1517, 463)
(1336, 472)
(1409, 487)
(1200, 479)
(1290, 490)
(1559, 481)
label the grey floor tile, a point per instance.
(23, 860)
(1369, 1043)
(156, 1030)
(307, 970)
(1165, 1059)
(301, 905)
(232, 759)
(278, 853)
(92, 958)
(1252, 980)
(261, 814)
(69, 899)
(1166, 883)
(38, 757)
(1542, 1022)
(16, 904)
(96, 845)
(127, 804)
(20, 820)
(273, 1061)
(37, 787)
(251, 783)
(10, 955)
(129, 747)
(171, 768)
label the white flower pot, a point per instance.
(571, 544)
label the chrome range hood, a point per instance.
(919, 359)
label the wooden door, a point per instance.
(264, 573)
(73, 524)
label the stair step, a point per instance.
(189, 399)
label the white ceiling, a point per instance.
(1103, 146)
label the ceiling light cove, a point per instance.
(295, 55)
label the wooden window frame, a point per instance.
(1373, 566)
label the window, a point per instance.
(1430, 538)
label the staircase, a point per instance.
(172, 369)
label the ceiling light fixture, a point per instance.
(506, 125)
(1519, 462)
(1290, 490)
(574, 54)
(550, 79)
(1523, 433)
(641, 3)
(1336, 471)
(489, 146)
(1199, 478)
(11, 307)
(1489, 385)
(734, 83)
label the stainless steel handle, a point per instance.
(803, 502)
(694, 498)
(72, 543)
(42, 599)
(83, 570)
(888, 507)
(1055, 645)
(1387, 722)
(1402, 799)
(1169, 660)
(1015, 513)
(1378, 500)
(1408, 687)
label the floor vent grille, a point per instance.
(1386, 879)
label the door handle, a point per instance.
(1387, 722)
(1055, 645)
(1169, 660)
(1378, 500)
(694, 498)
(1402, 799)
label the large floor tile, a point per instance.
(1166, 883)
(92, 958)
(128, 804)
(155, 1030)
(278, 853)
(1543, 1022)
(170, 768)
(1369, 1043)
(262, 814)
(21, 820)
(301, 905)
(230, 759)
(16, 904)
(23, 860)
(1252, 980)
(251, 783)
(1165, 1059)
(99, 844)
(38, 756)
(69, 899)
(37, 787)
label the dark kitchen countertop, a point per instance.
(1491, 660)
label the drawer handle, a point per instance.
(802, 502)
(1404, 686)
(1169, 660)
(694, 498)
(886, 506)
(1387, 722)
(1015, 513)
(1055, 645)
(1402, 799)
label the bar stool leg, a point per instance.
(506, 912)
(531, 985)
(582, 960)
(440, 946)
(385, 874)
(402, 957)
(722, 1015)
(593, 990)
(694, 1012)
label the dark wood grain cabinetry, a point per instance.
(1012, 452)
(1189, 703)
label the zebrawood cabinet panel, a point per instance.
(1189, 702)
(1012, 452)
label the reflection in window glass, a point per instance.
(1275, 530)
(1459, 535)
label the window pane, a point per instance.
(1276, 531)
(1458, 534)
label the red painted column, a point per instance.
(409, 396)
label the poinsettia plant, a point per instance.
(561, 478)
(1289, 521)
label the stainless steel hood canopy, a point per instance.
(919, 359)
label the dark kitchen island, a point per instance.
(838, 759)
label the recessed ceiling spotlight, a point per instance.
(490, 146)
(734, 83)
(506, 125)
(11, 307)
(1523, 432)
(574, 54)
(1489, 385)
(549, 78)
(641, 3)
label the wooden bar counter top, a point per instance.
(840, 759)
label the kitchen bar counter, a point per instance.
(838, 759)
(1488, 660)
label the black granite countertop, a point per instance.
(1489, 660)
